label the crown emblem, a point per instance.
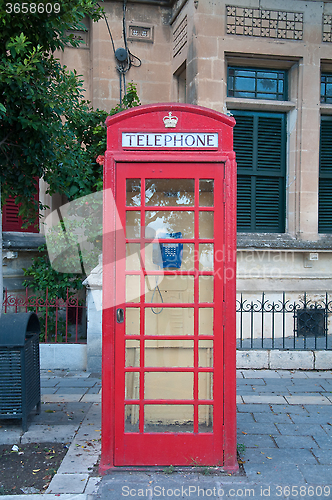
(170, 121)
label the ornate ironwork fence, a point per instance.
(284, 321)
(62, 321)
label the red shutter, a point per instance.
(11, 221)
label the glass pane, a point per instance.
(168, 385)
(206, 289)
(133, 257)
(153, 257)
(168, 418)
(205, 418)
(205, 385)
(132, 353)
(267, 84)
(206, 191)
(132, 385)
(133, 189)
(245, 84)
(133, 224)
(132, 319)
(205, 353)
(205, 321)
(171, 289)
(206, 257)
(131, 418)
(133, 290)
(169, 192)
(172, 321)
(206, 224)
(173, 353)
(162, 223)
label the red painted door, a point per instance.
(169, 314)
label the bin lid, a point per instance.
(15, 326)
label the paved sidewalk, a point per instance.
(284, 438)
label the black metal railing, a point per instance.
(284, 321)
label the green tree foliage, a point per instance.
(47, 129)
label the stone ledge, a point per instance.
(274, 359)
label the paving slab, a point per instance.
(61, 398)
(91, 398)
(301, 430)
(258, 428)
(320, 374)
(324, 456)
(293, 374)
(245, 418)
(275, 474)
(317, 475)
(252, 408)
(295, 442)
(310, 419)
(267, 399)
(261, 374)
(68, 483)
(49, 434)
(281, 456)
(92, 485)
(71, 390)
(324, 442)
(305, 399)
(49, 497)
(250, 381)
(256, 441)
(274, 418)
(10, 435)
(79, 382)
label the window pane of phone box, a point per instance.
(169, 289)
(132, 320)
(205, 418)
(205, 321)
(132, 352)
(168, 385)
(171, 321)
(133, 192)
(133, 224)
(168, 418)
(131, 416)
(132, 385)
(160, 222)
(169, 192)
(172, 353)
(206, 220)
(206, 191)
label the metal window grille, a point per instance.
(291, 321)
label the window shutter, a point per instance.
(325, 177)
(244, 216)
(260, 146)
(11, 221)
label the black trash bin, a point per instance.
(19, 366)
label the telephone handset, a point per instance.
(168, 255)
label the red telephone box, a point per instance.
(169, 358)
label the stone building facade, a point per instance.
(269, 63)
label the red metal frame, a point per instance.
(139, 448)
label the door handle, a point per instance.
(119, 315)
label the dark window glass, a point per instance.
(260, 146)
(257, 83)
(326, 88)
